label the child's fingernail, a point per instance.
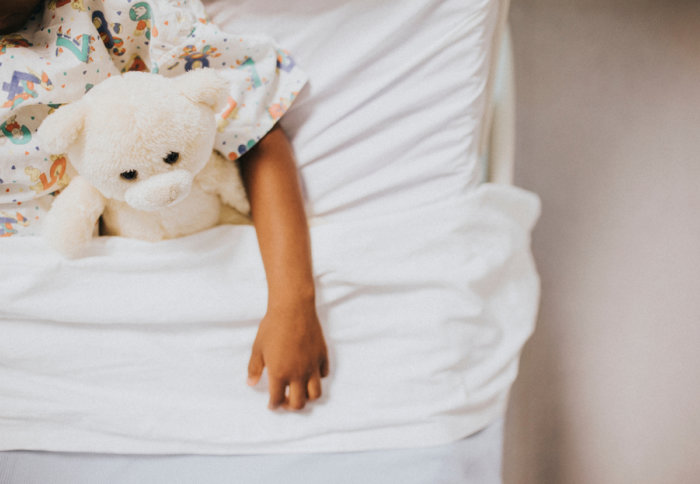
(251, 381)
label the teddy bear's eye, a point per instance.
(129, 175)
(171, 158)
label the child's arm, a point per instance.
(290, 340)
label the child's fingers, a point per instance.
(313, 387)
(297, 395)
(255, 367)
(324, 367)
(277, 388)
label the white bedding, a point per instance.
(475, 459)
(142, 348)
(391, 116)
(425, 280)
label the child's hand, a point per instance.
(290, 343)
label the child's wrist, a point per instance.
(297, 297)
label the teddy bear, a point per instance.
(141, 151)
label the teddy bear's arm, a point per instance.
(222, 177)
(70, 223)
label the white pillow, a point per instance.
(391, 117)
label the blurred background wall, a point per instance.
(608, 127)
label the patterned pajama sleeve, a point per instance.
(73, 45)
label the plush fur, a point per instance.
(142, 147)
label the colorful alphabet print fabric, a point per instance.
(72, 45)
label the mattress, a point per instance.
(425, 282)
(476, 459)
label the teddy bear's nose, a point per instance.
(159, 191)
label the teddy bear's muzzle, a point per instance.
(159, 191)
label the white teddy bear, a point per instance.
(142, 147)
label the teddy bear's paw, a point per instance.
(232, 191)
(240, 202)
(70, 223)
(70, 238)
(68, 245)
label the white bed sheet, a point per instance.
(143, 348)
(475, 459)
(391, 117)
(426, 286)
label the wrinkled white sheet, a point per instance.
(143, 348)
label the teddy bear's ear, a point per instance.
(204, 86)
(62, 128)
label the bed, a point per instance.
(425, 282)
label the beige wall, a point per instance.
(609, 136)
